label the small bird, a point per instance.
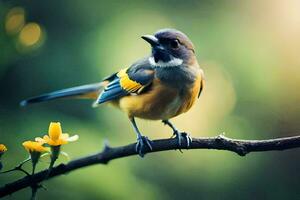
(160, 86)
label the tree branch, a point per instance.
(241, 147)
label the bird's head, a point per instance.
(170, 48)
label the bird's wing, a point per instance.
(127, 81)
(202, 83)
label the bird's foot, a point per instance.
(182, 136)
(142, 144)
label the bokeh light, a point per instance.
(30, 35)
(15, 20)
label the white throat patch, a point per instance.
(172, 63)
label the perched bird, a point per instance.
(158, 87)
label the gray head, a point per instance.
(170, 47)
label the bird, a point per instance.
(160, 86)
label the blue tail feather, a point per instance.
(69, 92)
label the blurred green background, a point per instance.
(249, 51)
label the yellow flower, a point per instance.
(55, 136)
(2, 148)
(31, 146)
(35, 150)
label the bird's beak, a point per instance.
(152, 40)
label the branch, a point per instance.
(241, 147)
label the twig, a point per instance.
(18, 168)
(241, 147)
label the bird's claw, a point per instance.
(180, 136)
(142, 143)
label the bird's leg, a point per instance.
(142, 141)
(179, 135)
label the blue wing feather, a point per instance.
(112, 91)
(141, 73)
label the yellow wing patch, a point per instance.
(128, 84)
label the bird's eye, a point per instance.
(174, 44)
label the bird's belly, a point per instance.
(161, 102)
(153, 105)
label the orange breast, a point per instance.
(191, 95)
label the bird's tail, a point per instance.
(90, 91)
